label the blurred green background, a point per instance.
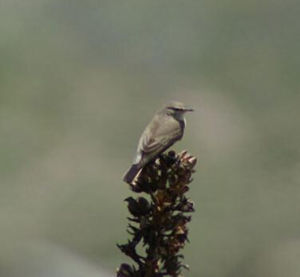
(79, 80)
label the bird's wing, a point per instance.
(160, 133)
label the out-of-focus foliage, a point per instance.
(79, 80)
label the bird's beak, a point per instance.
(188, 109)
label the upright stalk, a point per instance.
(159, 220)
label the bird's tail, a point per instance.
(131, 173)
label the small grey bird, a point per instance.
(166, 127)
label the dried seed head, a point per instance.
(161, 222)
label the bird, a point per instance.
(166, 127)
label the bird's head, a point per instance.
(177, 109)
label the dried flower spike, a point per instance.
(159, 220)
